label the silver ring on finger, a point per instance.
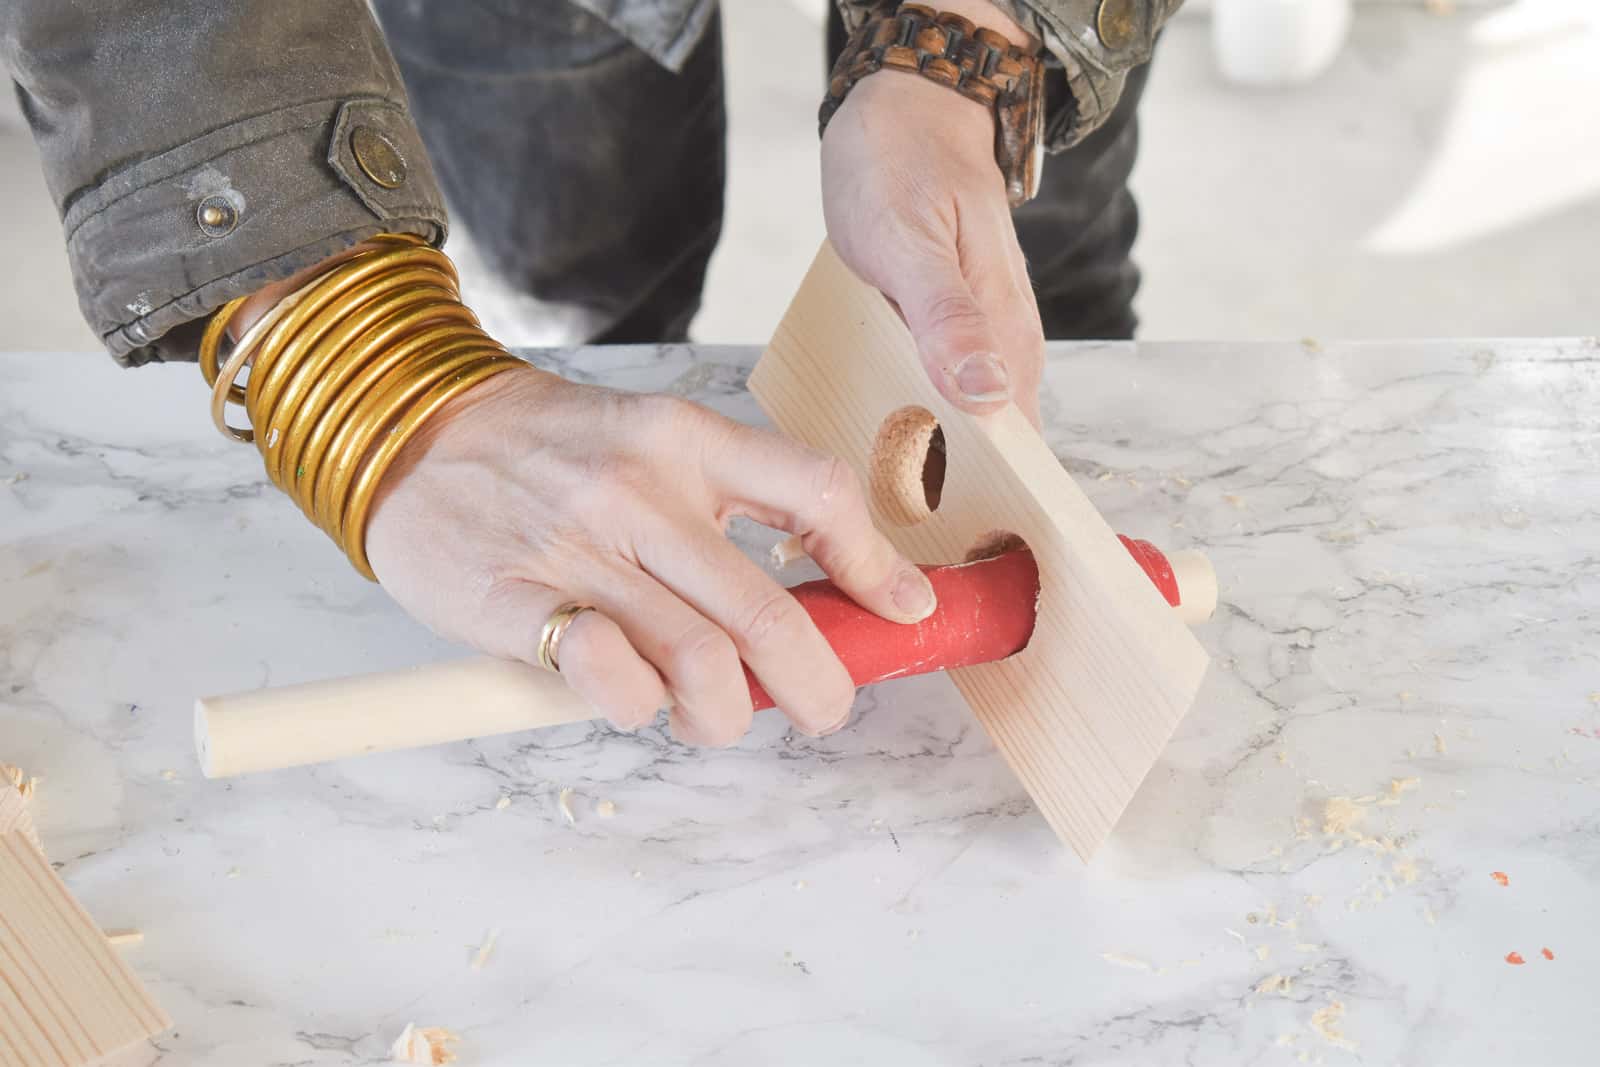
(555, 628)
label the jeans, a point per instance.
(591, 177)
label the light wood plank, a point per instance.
(1083, 712)
(66, 998)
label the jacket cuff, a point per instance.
(161, 244)
(1094, 43)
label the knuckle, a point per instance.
(700, 654)
(836, 489)
(952, 310)
(775, 613)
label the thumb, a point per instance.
(958, 345)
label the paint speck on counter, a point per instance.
(1515, 959)
(1547, 954)
(1501, 877)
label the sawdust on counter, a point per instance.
(423, 1044)
(564, 802)
(1275, 983)
(606, 809)
(485, 950)
(1340, 815)
(1325, 1022)
(124, 937)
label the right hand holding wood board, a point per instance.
(535, 492)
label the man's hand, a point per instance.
(916, 205)
(530, 492)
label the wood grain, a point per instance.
(1083, 712)
(66, 998)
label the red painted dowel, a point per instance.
(986, 613)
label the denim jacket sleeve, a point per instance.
(200, 149)
(1095, 42)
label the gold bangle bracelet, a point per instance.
(343, 374)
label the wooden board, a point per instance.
(66, 997)
(1083, 712)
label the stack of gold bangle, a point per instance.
(344, 372)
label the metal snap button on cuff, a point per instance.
(1115, 23)
(378, 158)
(216, 216)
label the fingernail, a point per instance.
(982, 378)
(844, 721)
(913, 595)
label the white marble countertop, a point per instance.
(1406, 536)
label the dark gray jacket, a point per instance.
(199, 149)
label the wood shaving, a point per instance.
(22, 783)
(1438, 744)
(1275, 983)
(1234, 500)
(564, 802)
(485, 950)
(1401, 785)
(503, 803)
(1263, 951)
(1311, 344)
(424, 1045)
(1340, 814)
(124, 937)
(605, 809)
(1313, 900)
(1325, 1021)
(1131, 962)
(16, 804)
(787, 551)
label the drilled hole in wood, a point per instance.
(995, 543)
(908, 466)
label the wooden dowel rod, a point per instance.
(268, 729)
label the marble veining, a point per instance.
(1406, 535)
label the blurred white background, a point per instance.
(1441, 179)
